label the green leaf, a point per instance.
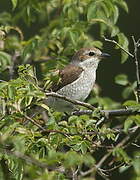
(137, 119)
(127, 92)
(114, 31)
(29, 48)
(84, 147)
(121, 79)
(123, 41)
(14, 3)
(98, 44)
(130, 120)
(72, 159)
(131, 103)
(92, 11)
(44, 106)
(73, 37)
(120, 153)
(3, 85)
(136, 163)
(73, 13)
(127, 124)
(89, 160)
(122, 4)
(115, 15)
(5, 60)
(10, 92)
(73, 119)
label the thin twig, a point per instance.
(133, 137)
(102, 174)
(44, 131)
(112, 169)
(113, 41)
(134, 144)
(102, 160)
(136, 45)
(34, 122)
(88, 171)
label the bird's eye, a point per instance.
(91, 53)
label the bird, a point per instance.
(76, 79)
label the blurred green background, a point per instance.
(130, 25)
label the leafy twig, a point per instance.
(124, 143)
(25, 157)
(34, 122)
(44, 131)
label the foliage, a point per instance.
(37, 37)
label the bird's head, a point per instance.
(88, 57)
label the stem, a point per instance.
(136, 45)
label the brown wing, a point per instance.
(67, 75)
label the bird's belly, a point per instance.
(79, 89)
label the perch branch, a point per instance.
(107, 113)
(75, 102)
(110, 113)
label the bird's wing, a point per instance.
(67, 75)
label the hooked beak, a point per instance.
(104, 55)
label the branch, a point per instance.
(136, 46)
(113, 41)
(75, 102)
(31, 160)
(128, 140)
(34, 122)
(124, 143)
(106, 113)
(43, 130)
(114, 168)
(110, 113)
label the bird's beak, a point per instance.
(104, 55)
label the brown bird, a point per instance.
(77, 78)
